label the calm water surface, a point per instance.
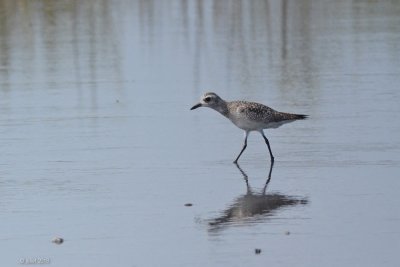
(99, 145)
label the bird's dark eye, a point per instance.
(207, 99)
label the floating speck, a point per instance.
(257, 250)
(57, 240)
(188, 204)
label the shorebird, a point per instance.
(248, 116)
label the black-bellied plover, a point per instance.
(248, 116)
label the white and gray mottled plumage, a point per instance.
(248, 116)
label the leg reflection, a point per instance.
(269, 176)
(246, 177)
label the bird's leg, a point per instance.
(246, 134)
(269, 147)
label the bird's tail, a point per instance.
(300, 116)
(290, 116)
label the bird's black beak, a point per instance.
(196, 106)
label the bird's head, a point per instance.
(211, 100)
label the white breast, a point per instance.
(240, 120)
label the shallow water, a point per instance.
(100, 148)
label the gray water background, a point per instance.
(98, 144)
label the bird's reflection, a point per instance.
(254, 206)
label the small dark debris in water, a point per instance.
(257, 250)
(117, 101)
(287, 233)
(57, 240)
(188, 204)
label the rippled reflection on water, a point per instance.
(254, 206)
